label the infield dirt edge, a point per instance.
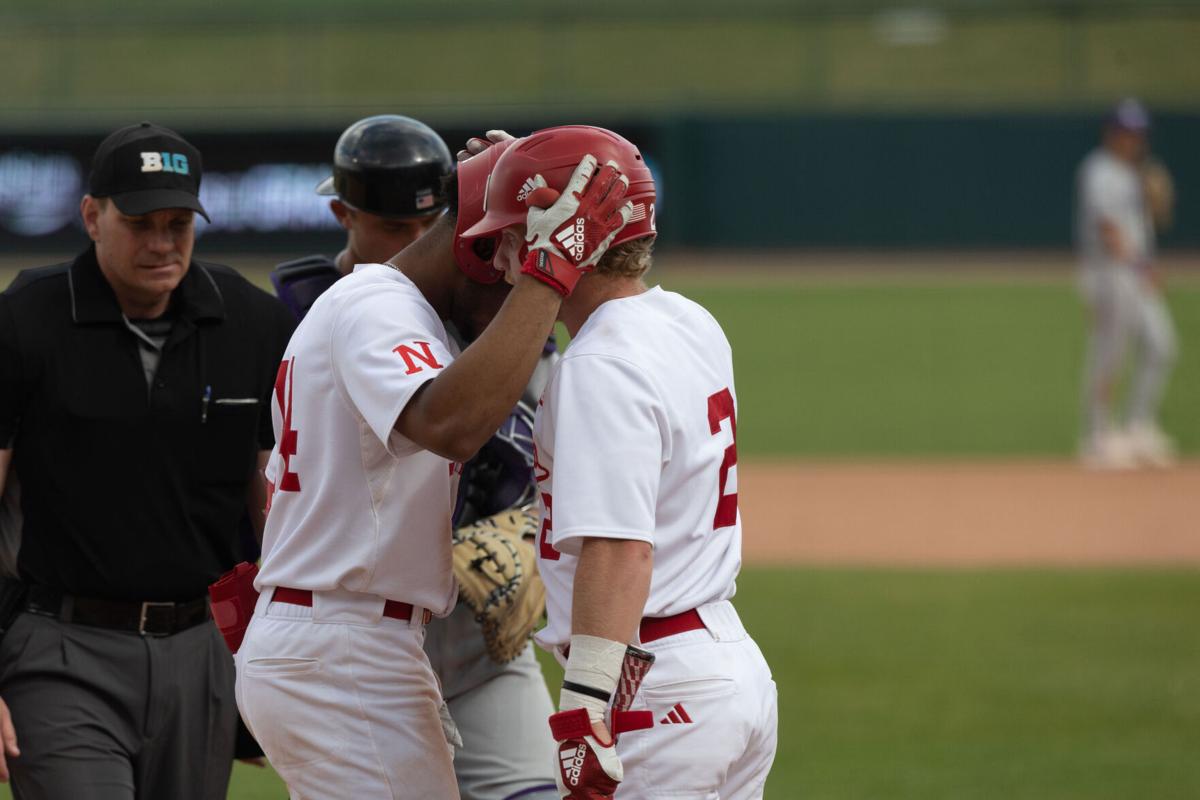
(967, 514)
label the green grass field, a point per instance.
(923, 685)
(922, 369)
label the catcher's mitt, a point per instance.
(496, 567)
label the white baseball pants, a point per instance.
(343, 700)
(715, 712)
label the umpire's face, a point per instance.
(144, 257)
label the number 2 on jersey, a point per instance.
(547, 550)
(720, 407)
(285, 382)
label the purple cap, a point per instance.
(1130, 115)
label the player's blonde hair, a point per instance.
(630, 259)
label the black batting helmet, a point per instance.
(390, 165)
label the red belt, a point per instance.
(303, 597)
(653, 628)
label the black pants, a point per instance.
(109, 715)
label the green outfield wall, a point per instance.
(888, 180)
(854, 180)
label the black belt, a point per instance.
(147, 618)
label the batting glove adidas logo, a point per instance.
(572, 239)
(572, 763)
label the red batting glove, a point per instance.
(587, 766)
(566, 239)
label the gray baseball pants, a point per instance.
(110, 715)
(1126, 315)
(501, 710)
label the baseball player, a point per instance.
(1115, 236)
(636, 462)
(388, 187)
(386, 191)
(376, 409)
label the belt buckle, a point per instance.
(141, 629)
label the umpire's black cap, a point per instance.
(390, 165)
(147, 167)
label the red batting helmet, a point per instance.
(554, 153)
(474, 255)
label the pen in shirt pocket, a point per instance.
(204, 403)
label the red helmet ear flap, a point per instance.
(474, 254)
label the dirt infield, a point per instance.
(968, 514)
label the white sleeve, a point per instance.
(611, 438)
(384, 347)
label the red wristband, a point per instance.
(555, 272)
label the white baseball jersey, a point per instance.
(355, 505)
(635, 439)
(1111, 189)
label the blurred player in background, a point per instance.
(389, 185)
(1123, 196)
(636, 462)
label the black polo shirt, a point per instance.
(133, 492)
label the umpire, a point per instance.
(134, 410)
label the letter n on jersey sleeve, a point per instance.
(421, 353)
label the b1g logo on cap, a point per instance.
(165, 162)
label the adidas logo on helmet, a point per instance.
(526, 187)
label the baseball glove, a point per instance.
(1160, 193)
(496, 568)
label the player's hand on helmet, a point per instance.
(586, 762)
(477, 144)
(567, 233)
